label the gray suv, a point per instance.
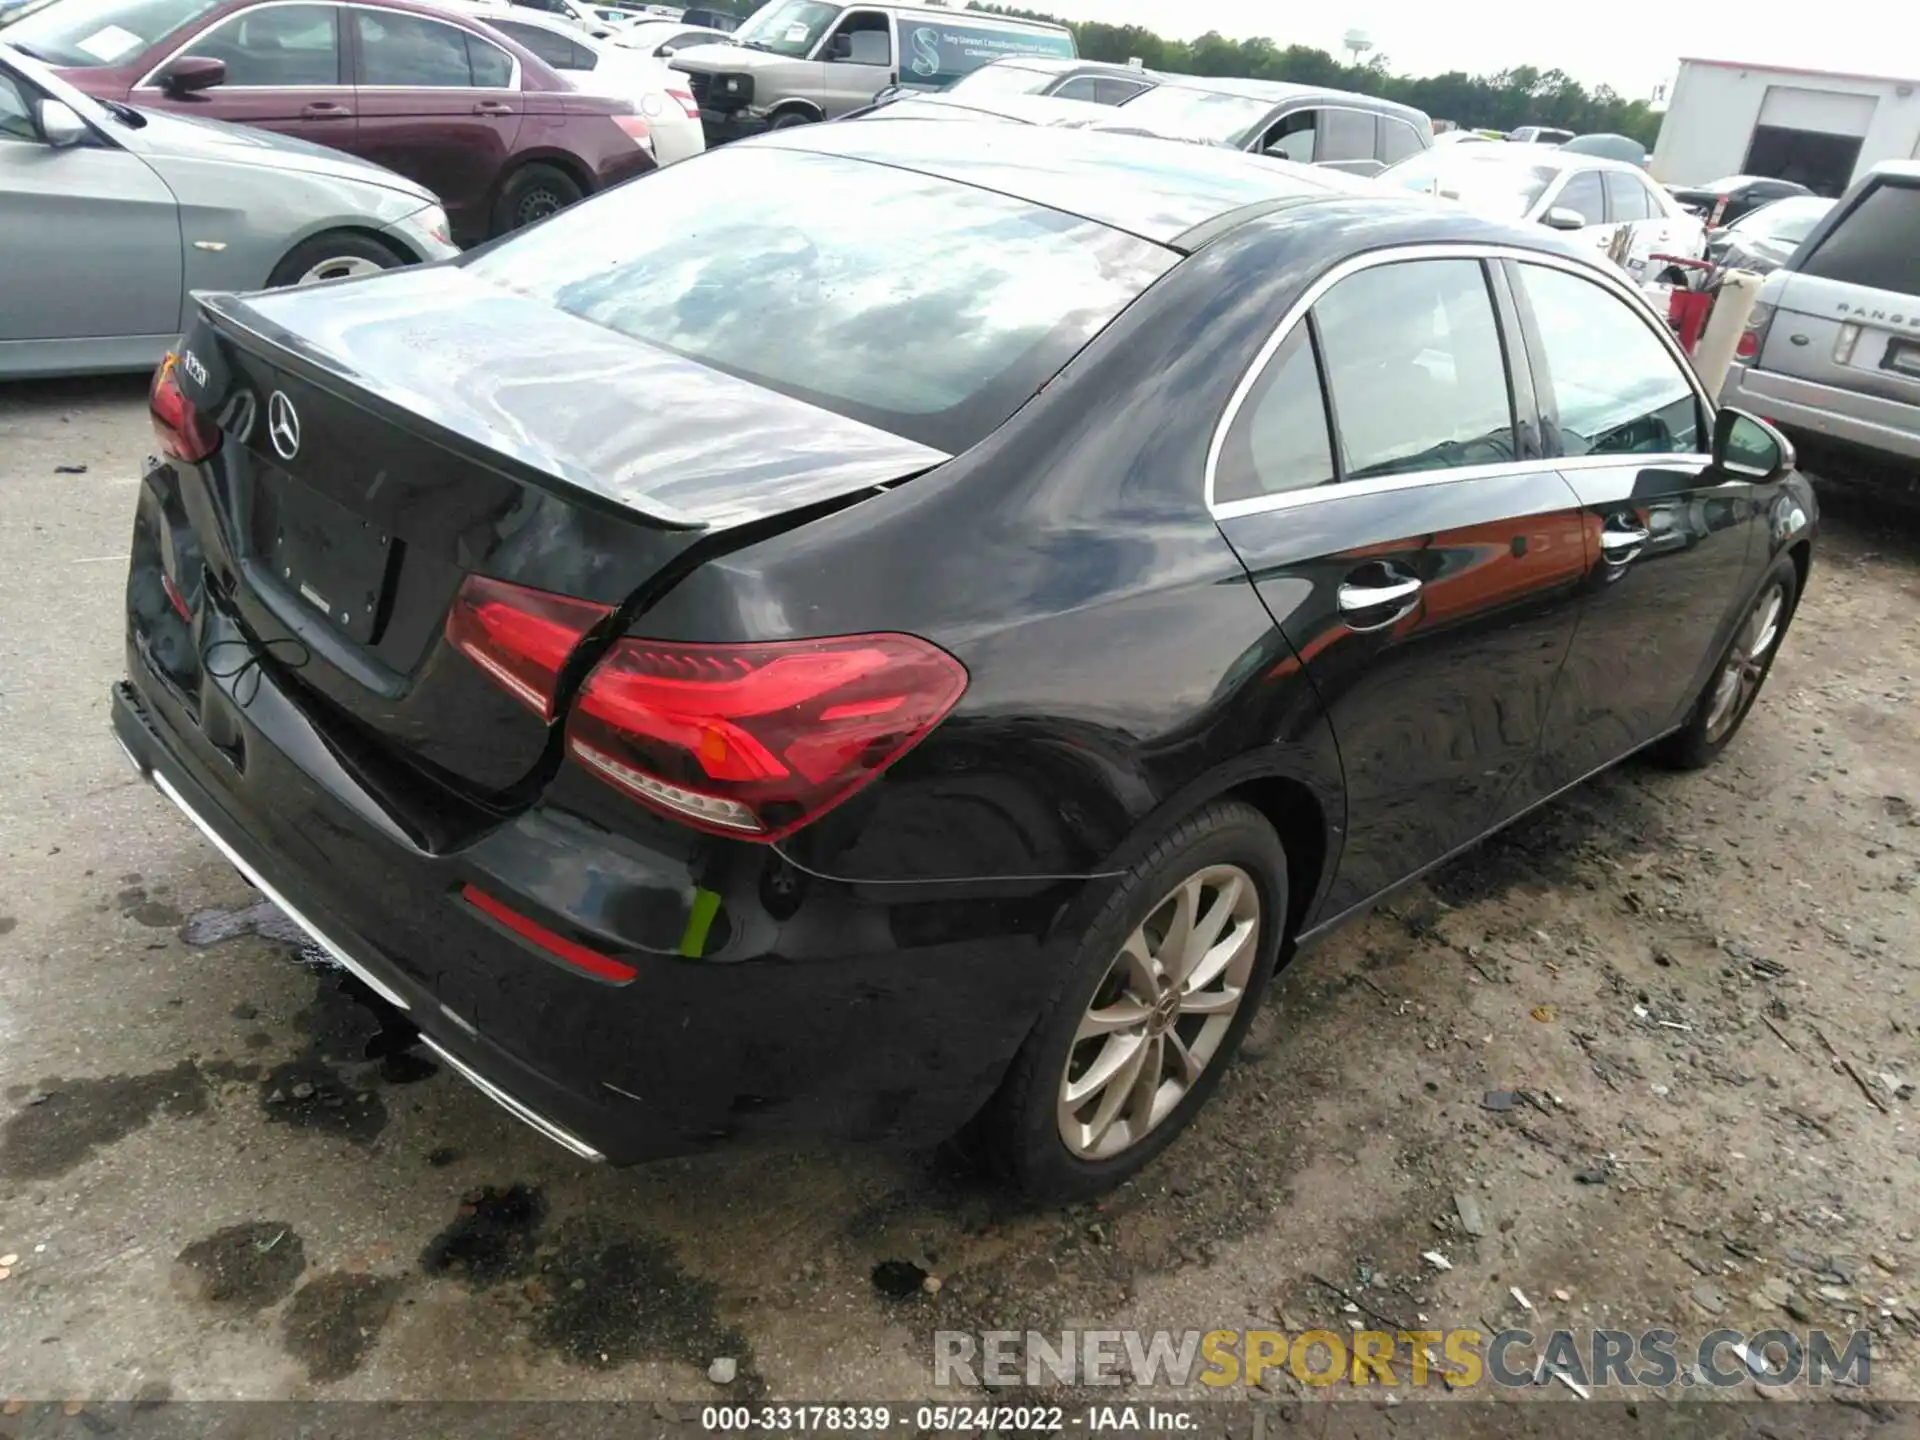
(1832, 352)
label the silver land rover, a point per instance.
(797, 61)
(1831, 353)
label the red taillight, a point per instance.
(1747, 347)
(636, 130)
(601, 967)
(758, 740)
(687, 102)
(183, 433)
(520, 637)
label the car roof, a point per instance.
(1061, 64)
(1899, 169)
(1026, 109)
(1157, 189)
(1280, 92)
(971, 17)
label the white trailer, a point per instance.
(1819, 128)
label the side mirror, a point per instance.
(663, 52)
(1745, 444)
(1561, 218)
(60, 126)
(191, 74)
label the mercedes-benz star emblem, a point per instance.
(283, 425)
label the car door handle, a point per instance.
(325, 110)
(1620, 542)
(492, 107)
(1373, 607)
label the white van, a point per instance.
(797, 61)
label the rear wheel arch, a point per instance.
(1295, 813)
(567, 165)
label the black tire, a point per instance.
(346, 251)
(532, 193)
(1019, 1133)
(787, 119)
(1706, 732)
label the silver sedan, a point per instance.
(111, 216)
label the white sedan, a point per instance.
(1587, 195)
(662, 37)
(602, 67)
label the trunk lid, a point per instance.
(384, 440)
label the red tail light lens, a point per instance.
(687, 102)
(520, 637)
(182, 432)
(636, 130)
(569, 952)
(1747, 347)
(758, 740)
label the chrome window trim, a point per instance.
(1376, 484)
(147, 81)
(513, 86)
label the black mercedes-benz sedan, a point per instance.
(892, 629)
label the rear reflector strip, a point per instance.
(579, 957)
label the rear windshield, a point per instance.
(1874, 244)
(1003, 80)
(78, 34)
(1492, 183)
(924, 307)
(1198, 114)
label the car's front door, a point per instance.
(284, 73)
(90, 235)
(1669, 539)
(1386, 496)
(438, 104)
(858, 61)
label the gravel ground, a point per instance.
(1659, 1036)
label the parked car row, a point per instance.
(111, 216)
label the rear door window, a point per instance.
(1876, 244)
(410, 51)
(1415, 368)
(1398, 140)
(1279, 441)
(1345, 135)
(554, 48)
(1110, 91)
(919, 305)
(1627, 198)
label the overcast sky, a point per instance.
(1630, 47)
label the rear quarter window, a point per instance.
(925, 307)
(1876, 244)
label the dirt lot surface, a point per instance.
(1656, 1044)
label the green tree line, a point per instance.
(1523, 95)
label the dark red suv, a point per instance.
(440, 97)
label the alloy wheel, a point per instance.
(1746, 662)
(1161, 1013)
(340, 267)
